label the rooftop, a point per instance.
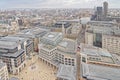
(66, 72)
(101, 22)
(52, 35)
(60, 23)
(19, 52)
(8, 44)
(84, 20)
(34, 32)
(99, 72)
(96, 52)
(71, 21)
(92, 51)
(48, 47)
(67, 46)
(52, 38)
(13, 39)
(104, 27)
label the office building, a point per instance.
(98, 64)
(92, 54)
(20, 22)
(33, 34)
(60, 23)
(3, 71)
(66, 52)
(12, 54)
(63, 27)
(14, 27)
(99, 72)
(99, 10)
(54, 50)
(48, 47)
(47, 54)
(66, 72)
(95, 30)
(69, 28)
(25, 43)
(101, 13)
(52, 38)
(111, 43)
(4, 29)
(105, 6)
(104, 34)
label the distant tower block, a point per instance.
(105, 6)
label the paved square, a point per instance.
(36, 70)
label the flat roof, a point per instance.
(100, 72)
(83, 20)
(24, 35)
(48, 47)
(66, 72)
(104, 22)
(19, 52)
(93, 52)
(60, 23)
(13, 38)
(8, 44)
(52, 38)
(106, 29)
(67, 45)
(73, 20)
(32, 33)
(96, 52)
(52, 35)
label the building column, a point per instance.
(18, 71)
(43, 60)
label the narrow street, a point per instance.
(81, 39)
(81, 36)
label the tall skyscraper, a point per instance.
(99, 13)
(105, 6)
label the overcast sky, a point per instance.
(57, 3)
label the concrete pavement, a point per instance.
(36, 70)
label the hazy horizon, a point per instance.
(10, 4)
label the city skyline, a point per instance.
(56, 4)
(59, 40)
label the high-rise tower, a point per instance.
(105, 8)
(99, 12)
